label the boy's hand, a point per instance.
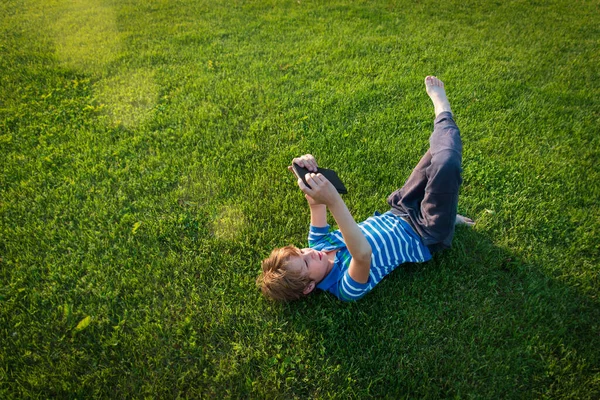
(306, 161)
(321, 191)
(311, 201)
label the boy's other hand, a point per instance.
(306, 161)
(311, 201)
(321, 191)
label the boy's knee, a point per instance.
(447, 161)
(444, 172)
(445, 138)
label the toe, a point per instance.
(462, 220)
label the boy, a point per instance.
(349, 262)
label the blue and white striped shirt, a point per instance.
(392, 240)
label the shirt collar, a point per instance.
(331, 278)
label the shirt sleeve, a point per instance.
(317, 235)
(350, 290)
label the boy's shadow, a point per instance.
(476, 316)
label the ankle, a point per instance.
(442, 108)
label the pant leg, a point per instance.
(429, 198)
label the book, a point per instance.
(329, 174)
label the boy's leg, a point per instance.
(429, 198)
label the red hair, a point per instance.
(276, 281)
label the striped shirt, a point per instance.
(393, 242)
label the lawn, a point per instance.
(143, 178)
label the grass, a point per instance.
(143, 179)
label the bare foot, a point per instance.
(462, 220)
(437, 93)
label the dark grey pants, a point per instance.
(429, 198)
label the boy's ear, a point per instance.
(309, 288)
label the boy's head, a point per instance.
(290, 273)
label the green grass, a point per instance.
(143, 178)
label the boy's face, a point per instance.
(312, 263)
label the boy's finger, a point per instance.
(319, 178)
(310, 177)
(308, 161)
(303, 187)
(310, 180)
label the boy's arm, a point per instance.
(318, 215)
(323, 192)
(358, 246)
(318, 212)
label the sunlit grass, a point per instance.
(129, 97)
(144, 148)
(84, 32)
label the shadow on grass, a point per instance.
(475, 321)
